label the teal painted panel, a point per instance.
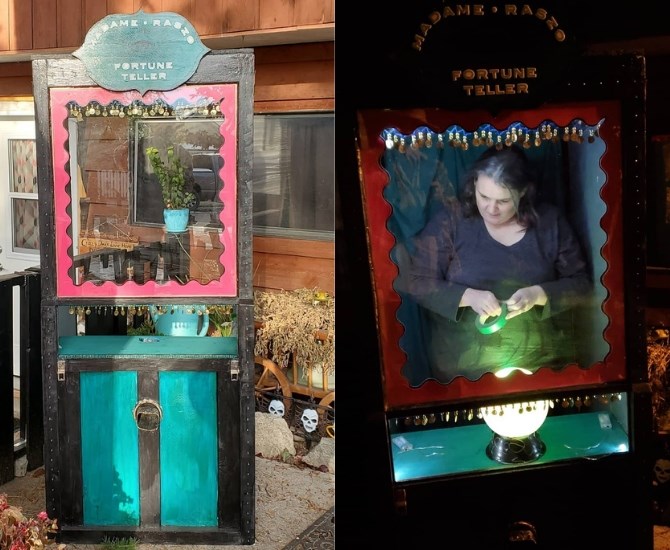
(146, 346)
(109, 448)
(188, 448)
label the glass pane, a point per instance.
(25, 228)
(294, 172)
(23, 166)
(123, 185)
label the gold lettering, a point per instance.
(495, 89)
(418, 42)
(552, 23)
(479, 9)
(505, 73)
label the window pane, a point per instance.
(23, 166)
(294, 173)
(25, 225)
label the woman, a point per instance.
(495, 276)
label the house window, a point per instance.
(293, 175)
(23, 196)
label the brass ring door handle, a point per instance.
(148, 415)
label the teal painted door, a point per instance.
(188, 448)
(110, 450)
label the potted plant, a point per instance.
(171, 175)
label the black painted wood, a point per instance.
(71, 481)
(6, 383)
(31, 370)
(149, 441)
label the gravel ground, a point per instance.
(289, 499)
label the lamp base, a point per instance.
(515, 450)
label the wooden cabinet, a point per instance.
(149, 420)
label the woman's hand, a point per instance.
(525, 299)
(483, 302)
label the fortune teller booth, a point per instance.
(147, 327)
(501, 429)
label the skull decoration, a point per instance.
(662, 470)
(276, 408)
(309, 420)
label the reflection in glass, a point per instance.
(293, 174)
(444, 245)
(118, 206)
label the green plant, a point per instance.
(172, 178)
(147, 327)
(18, 532)
(222, 317)
(129, 543)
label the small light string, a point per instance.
(488, 136)
(139, 109)
(467, 415)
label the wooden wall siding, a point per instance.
(287, 264)
(38, 25)
(20, 32)
(16, 80)
(295, 78)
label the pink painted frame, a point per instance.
(226, 285)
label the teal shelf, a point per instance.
(447, 451)
(76, 347)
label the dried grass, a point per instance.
(658, 361)
(296, 324)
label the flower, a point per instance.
(18, 532)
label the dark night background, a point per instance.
(370, 40)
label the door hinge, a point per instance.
(234, 370)
(60, 370)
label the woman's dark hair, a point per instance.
(509, 168)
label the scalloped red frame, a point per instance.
(397, 392)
